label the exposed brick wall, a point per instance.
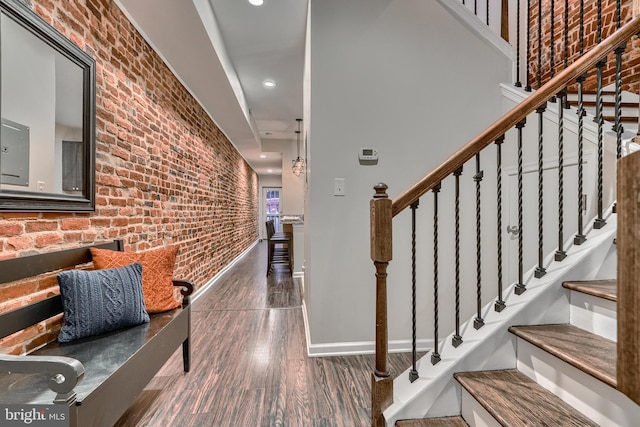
(165, 174)
(631, 57)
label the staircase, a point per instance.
(565, 374)
(544, 352)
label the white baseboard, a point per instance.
(214, 280)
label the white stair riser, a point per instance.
(474, 413)
(596, 400)
(595, 315)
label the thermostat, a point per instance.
(368, 156)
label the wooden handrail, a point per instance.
(515, 115)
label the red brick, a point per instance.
(76, 224)
(48, 239)
(19, 243)
(35, 227)
(8, 229)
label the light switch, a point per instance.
(338, 187)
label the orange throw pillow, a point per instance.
(157, 273)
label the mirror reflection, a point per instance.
(41, 106)
(47, 113)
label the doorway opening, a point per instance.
(270, 208)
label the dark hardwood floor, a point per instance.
(249, 363)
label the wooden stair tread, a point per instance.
(433, 422)
(514, 399)
(626, 119)
(607, 289)
(588, 352)
(604, 103)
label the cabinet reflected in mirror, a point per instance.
(47, 106)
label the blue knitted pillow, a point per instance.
(100, 301)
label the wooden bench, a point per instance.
(97, 377)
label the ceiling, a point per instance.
(223, 51)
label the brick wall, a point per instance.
(631, 57)
(165, 174)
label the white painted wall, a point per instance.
(405, 77)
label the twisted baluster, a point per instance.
(500, 304)
(435, 356)
(520, 286)
(457, 338)
(413, 374)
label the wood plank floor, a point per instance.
(249, 363)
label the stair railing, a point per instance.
(383, 210)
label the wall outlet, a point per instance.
(40, 185)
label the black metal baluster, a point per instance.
(553, 38)
(560, 253)
(528, 61)
(435, 356)
(540, 270)
(487, 12)
(457, 338)
(539, 44)
(500, 304)
(581, 28)
(599, 221)
(618, 105)
(413, 374)
(566, 34)
(618, 113)
(518, 82)
(478, 322)
(580, 238)
(520, 286)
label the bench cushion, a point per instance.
(157, 273)
(100, 301)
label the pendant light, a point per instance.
(298, 163)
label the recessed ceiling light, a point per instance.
(270, 170)
(256, 2)
(263, 156)
(269, 84)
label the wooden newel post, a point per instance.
(628, 245)
(381, 244)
